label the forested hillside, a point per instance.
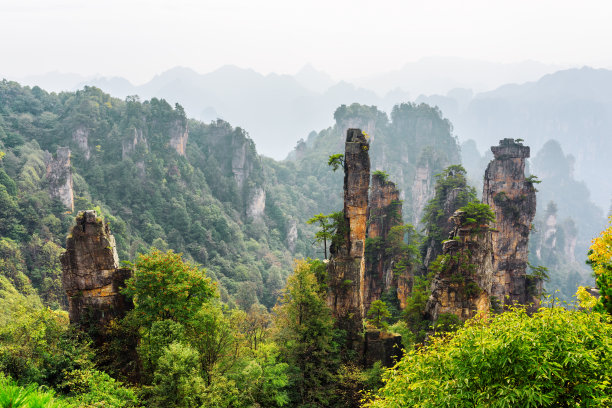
(246, 331)
(160, 179)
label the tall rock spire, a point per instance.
(346, 266)
(512, 197)
(91, 274)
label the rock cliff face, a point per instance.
(512, 198)
(59, 176)
(385, 212)
(383, 347)
(256, 204)
(91, 274)
(346, 266)
(453, 202)
(236, 154)
(81, 137)
(464, 277)
(179, 133)
(422, 191)
(292, 234)
(130, 144)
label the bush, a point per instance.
(555, 358)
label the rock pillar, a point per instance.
(512, 197)
(59, 176)
(91, 274)
(385, 212)
(464, 276)
(346, 266)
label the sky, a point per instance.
(348, 39)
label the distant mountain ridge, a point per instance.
(278, 110)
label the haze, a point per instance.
(348, 39)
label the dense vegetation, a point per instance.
(214, 326)
(555, 358)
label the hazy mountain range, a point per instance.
(573, 106)
(278, 110)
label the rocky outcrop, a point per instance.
(382, 346)
(454, 200)
(292, 235)
(512, 198)
(129, 145)
(81, 137)
(346, 266)
(235, 152)
(385, 212)
(464, 273)
(59, 176)
(179, 133)
(422, 191)
(256, 204)
(91, 274)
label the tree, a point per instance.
(378, 315)
(164, 287)
(304, 332)
(600, 259)
(555, 358)
(336, 161)
(328, 227)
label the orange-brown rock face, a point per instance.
(346, 266)
(91, 274)
(385, 213)
(513, 200)
(179, 133)
(464, 278)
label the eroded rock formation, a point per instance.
(512, 197)
(385, 212)
(129, 145)
(346, 266)
(81, 137)
(464, 275)
(59, 176)
(91, 274)
(454, 200)
(179, 133)
(422, 191)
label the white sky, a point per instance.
(347, 38)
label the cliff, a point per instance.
(59, 177)
(512, 198)
(346, 266)
(91, 274)
(385, 212)
(236, 154)
(464, 273)
(179, 133)
(455, 199)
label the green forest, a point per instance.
(228, 257)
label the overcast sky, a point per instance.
(137, 39)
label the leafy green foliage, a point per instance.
(165, 287)
(435, 218)
(600, 259)
(556, 357)
(327, 225)
(304, 333)
(477, 214)
(382, 175)
(378, 315)
(336, 161)
(413, 314)
(14, 396)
